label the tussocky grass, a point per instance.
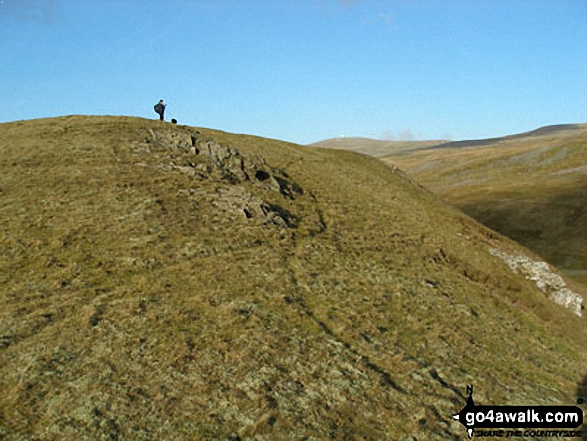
(136, 307)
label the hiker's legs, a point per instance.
(161, 116)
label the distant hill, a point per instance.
(561, 130)
(373, 147)
(540, 204)
(164, 282)
(531, 187)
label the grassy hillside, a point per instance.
(531, 187)
(373, 147)
(173, 283)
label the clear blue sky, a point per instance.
(301, 70)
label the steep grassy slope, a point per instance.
(373, 147)
(531, 187)
(164, 282)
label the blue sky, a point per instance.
(301, 70)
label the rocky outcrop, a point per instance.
(210, 160)
(550, 283)
(207, 160)
(237, 201)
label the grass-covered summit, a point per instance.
(172, 283)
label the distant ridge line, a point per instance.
(546, 130)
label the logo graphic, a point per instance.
(474, 417)
(469, 407)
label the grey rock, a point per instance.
(540, 273)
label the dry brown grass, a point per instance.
(533, 189)
(373, 147)
(139, 303)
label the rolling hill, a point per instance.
(178, 283)
(373, 147)
(531, 187)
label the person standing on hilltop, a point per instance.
(160, 109)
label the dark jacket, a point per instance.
(159, 108)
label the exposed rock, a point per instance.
(238, 202)
(206, 159)
(213, 160)
(550, 283)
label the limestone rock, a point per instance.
(540, 273)
(210, 159)
(206, 159)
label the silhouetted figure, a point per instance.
(160, 109)
(173, 121)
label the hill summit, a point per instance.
(169, 282)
